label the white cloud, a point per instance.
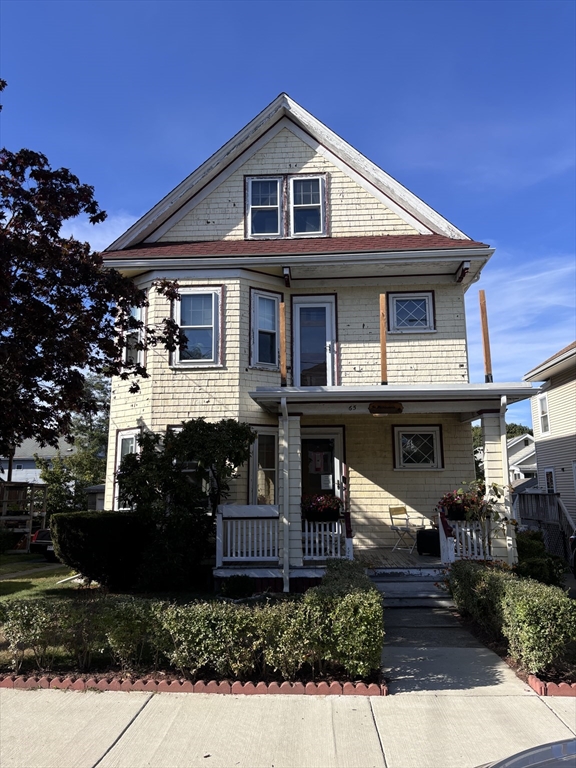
(531, 307)
(99, 236)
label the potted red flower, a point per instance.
(321, 507)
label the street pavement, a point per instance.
(454, 704)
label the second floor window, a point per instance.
(198, 315)
(410, 312)
(285, 206)
(265, 329)
(543, 415)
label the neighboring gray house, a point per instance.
(554, 420)
(24, 469)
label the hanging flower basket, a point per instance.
(321, 508)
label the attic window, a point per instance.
(285, 206)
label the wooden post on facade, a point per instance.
(383, 360)
(485, 339)
(282, 322)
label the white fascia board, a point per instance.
(204, 173)
(328, 259)
(214, 274)
(552, 367)
(369, 170)
(515, 391)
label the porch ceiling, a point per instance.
(467, 400)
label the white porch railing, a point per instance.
(471, 540)
(468, 540)
(322, 540)
(246, 534)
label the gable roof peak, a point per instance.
(283, 106)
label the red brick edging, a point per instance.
(23, 682)
(549, 689)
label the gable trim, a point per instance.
(258, 128)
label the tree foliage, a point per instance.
(61, 314)
(68, 477)
(186, 469)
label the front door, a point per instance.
(322, 462)
(314, 336)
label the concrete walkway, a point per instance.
(455, 705)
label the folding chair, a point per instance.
(404, 528)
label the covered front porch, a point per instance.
(372, 448)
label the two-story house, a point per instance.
(323, 304)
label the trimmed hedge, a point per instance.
(334, 628)
(537, 621)
(106, 547)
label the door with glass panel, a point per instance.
(314, 337)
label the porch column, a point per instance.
(295, 509)
(290, 493)
(496, 471)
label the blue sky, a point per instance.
(468, 104)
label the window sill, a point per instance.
(419, 469)
(413, 330)
(194, 366)
(312, 235)
(262, 367)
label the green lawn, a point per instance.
(20, 562)
(38, 584)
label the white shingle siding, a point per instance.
(351, 209)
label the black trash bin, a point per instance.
(428, 542)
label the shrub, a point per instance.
(534, 562)
(537, 620)
(103, 546)
(31, 625)
(132, 630)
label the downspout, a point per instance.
(510, 512)
(285, 496)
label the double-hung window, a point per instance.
(198, 315)
(543, 414)
(265, 329)
(134, 354)
(411, 312)
(417, 448)
(265, 196)
(126, 443)
(286, 206)
(306, 208)
(264, 466)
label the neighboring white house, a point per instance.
(521, 457)
(554, 421)
(323, 303)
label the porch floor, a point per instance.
(384, 557)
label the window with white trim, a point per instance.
(265, 329)
(543, 414)
(133, 352)
(550, 479)
(286, 206)
(411, 312)
(264, 467)
(198, 315)
(126, 443)
(417, 448)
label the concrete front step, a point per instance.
(417, 589)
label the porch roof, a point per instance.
(468, 400)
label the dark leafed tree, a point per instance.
(62, 316)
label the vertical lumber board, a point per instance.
(282, 321)
(383, 360)
(485, 339)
